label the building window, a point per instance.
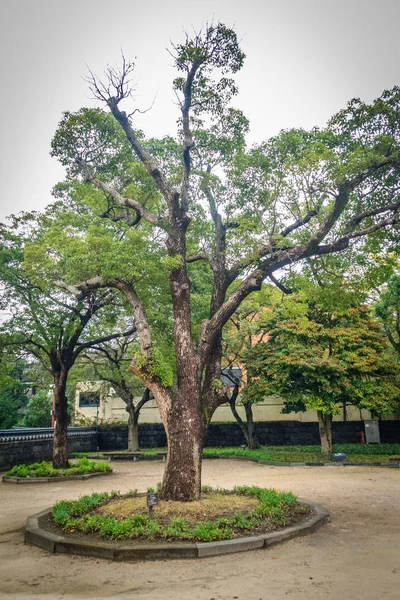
(88, 399)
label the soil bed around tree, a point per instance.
(218, 515)
(41, 531)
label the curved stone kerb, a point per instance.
(27, 480)
(65, 544)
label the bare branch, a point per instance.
(101, 340)
(116, 82)
(123, 217)
(354, 221)
(299, 223)
(199, 256)
(128, 202)
(280, 285)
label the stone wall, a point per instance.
(27, 451)
(152, 435)
(115, 437)
(277, 433)
(390, 432)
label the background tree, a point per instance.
(110, 363)
(321, 360)
(245, 330)
(13, 389)
(51, 325)
(247, 215)
(38, 410)
(388, 311)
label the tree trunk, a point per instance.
(325, 431)
(251, 438)
(133, 430)
(60, 441)
(133, 419)
(247, 427)
(185, 431)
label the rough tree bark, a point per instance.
(60, 440)
(133, 430)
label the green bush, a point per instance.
(45, 469)
(310, 454)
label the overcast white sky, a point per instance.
(305, 60)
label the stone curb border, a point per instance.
(60, 543)
(26, 480)
(271, 463)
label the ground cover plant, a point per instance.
(355, 453)
(218, 515)
(45, 469)
(310, 453)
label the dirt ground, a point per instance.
(355, 557)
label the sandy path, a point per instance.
(356, 556)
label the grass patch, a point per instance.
(45, 469)
(218, 515)
(356, 453)
(85, 455)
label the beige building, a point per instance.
(98, 401)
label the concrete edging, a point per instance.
(273, 463)
(26, 480)
(162, 456)
(62, 543)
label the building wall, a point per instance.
(112, 410)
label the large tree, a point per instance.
(246, 214)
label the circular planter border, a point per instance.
(26, 480)
(62, 543)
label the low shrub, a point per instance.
(44, 469)
(310, 454)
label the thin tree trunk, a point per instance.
(252, 440)
(247, 427)
(60, 440)
(133, 419)
(325, 431)
(133, 431)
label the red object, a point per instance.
(362, 437)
